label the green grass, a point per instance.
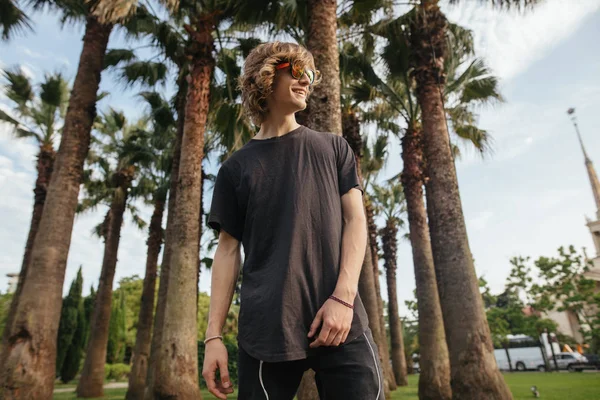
(552, 386)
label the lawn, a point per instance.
(552, 386)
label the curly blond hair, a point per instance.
(256, 82)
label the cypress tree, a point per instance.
(72, 361)
(68, 319)
(117, 334)
(88, 307)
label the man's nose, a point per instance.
(304, 80)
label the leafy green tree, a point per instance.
(564, 286)
(69, 318)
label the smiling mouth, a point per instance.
(300, 92)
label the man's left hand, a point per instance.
(336, 319)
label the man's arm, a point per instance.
(354, 244)
(225, 271)
(335, 317)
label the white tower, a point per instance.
(593, 225)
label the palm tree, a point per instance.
(28, 359)
(155, 181)
(119, 145)
(12, 19)
(35, 117)
(391, 201)
(169, 39)
(396, 94)
(475, 374)
(177, 359)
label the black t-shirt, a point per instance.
(281, 197)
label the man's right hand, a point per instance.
(215, 357)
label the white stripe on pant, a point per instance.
(376, 367)
(261, 380)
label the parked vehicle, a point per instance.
(525, 353)
(572, 361)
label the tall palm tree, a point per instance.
(38, 117)
(155, 183)
(177, 359)
(475, 374)
(169, 39)
(391, 201)
(119, 145)
(28, 360)
(396, 94)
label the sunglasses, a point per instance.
(298, 72)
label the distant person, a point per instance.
(292, 196)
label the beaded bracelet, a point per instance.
(212, 337)
(332, 297)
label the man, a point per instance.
(292, 196)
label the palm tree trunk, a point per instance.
(324, 102)
(434, 379)
(369, 299)
(159, 316)
(387, 367)
(475, 374)
(28, 361)
(141, 353)
(45, 163)
(390, 245)
(177, 363)
(91, 382)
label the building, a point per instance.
(568, 322)
(13, 281)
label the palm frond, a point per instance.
(19, 87)
(479, 138)
(12, 19)
(144, 72)
(55, 91)
(114, 57)
(111, 11)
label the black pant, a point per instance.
(351, 371)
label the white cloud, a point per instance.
(27, 70)
(32, 53)
(512, 41)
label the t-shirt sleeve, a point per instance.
(346, 166)
(224, 210)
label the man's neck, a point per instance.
(275, 126)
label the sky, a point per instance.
(528, 198)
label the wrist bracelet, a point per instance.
(213, 337)
(332, 297)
